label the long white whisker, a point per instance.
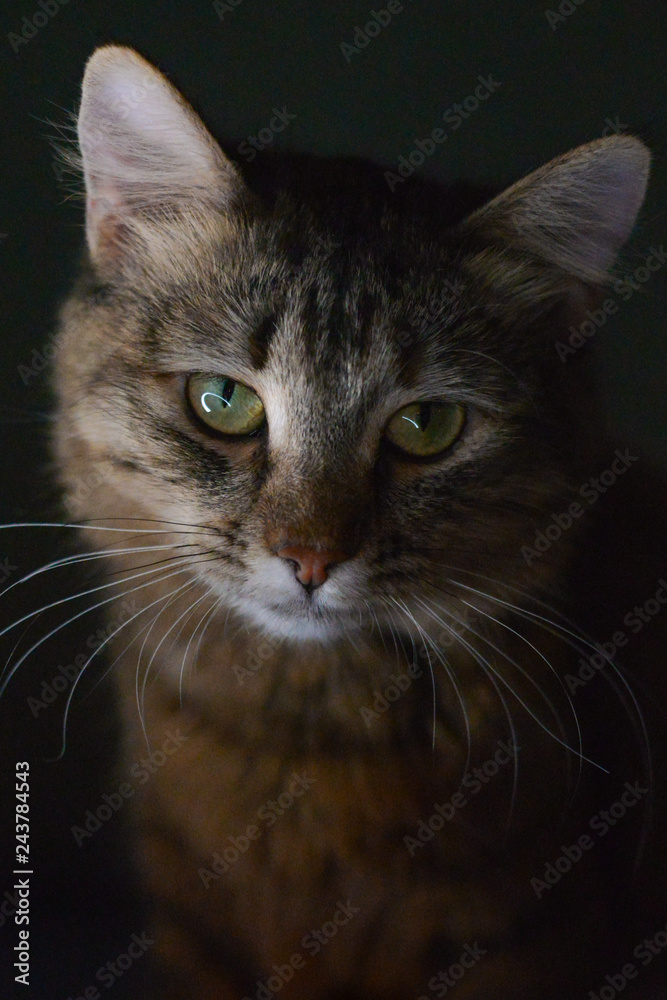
(187, 648)
(452, 677)
(74, 597)
(134, 638)
(533, 616)
(138, 697)
(375, 620)
(525, 673)
(98, 527)
(393, 631)
(535, 718)
(532, 680)
(484, 664)
(157, 648)
(15, 667)
(411, 617)
(17, 644)
(210, 614)
(572, 639)
(98, 650)
(208, 593)
(84, 557)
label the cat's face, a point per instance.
(355, 403)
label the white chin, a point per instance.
(298, 625)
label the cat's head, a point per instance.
(354, 392)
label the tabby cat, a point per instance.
(339, 464)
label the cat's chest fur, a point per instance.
(280, 811)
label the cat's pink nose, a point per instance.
(311, 566)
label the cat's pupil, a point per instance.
(224, 396)
(424, 415)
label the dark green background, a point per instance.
(604, 62)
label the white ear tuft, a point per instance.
(142, 147)
(575, 212)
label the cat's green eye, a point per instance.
(424, 428)
(224, 405)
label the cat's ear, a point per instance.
(145, 154)
(576, 212)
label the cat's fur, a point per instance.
(339, 303)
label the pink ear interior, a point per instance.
(142, 146)
(575, 212)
